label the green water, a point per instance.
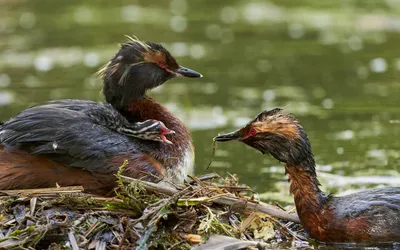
(334, 64)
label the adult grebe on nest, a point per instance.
(62, 141)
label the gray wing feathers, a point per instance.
(65, 131)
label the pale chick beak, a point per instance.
(166, 131)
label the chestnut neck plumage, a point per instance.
(304, 186)
(178, 157)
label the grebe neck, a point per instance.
(304, 186)
(147, 108)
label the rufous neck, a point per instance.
(304, 186)
(309, 199)
(148, 108)
(177, 157)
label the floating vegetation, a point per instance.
(210, 212)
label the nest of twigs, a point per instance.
(145, 215)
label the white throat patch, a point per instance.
(184, 167)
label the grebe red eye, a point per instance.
(161, 63)
(252, 132)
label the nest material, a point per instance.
(144, 215)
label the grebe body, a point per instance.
(371, 216)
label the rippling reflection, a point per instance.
(334, 65)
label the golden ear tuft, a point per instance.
(100, 73)
(135, 40)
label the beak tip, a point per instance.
(233, 136)
(185, 72)
(220, 138)
(165, 140)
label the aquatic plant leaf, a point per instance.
(262, 229)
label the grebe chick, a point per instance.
(106, 115)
